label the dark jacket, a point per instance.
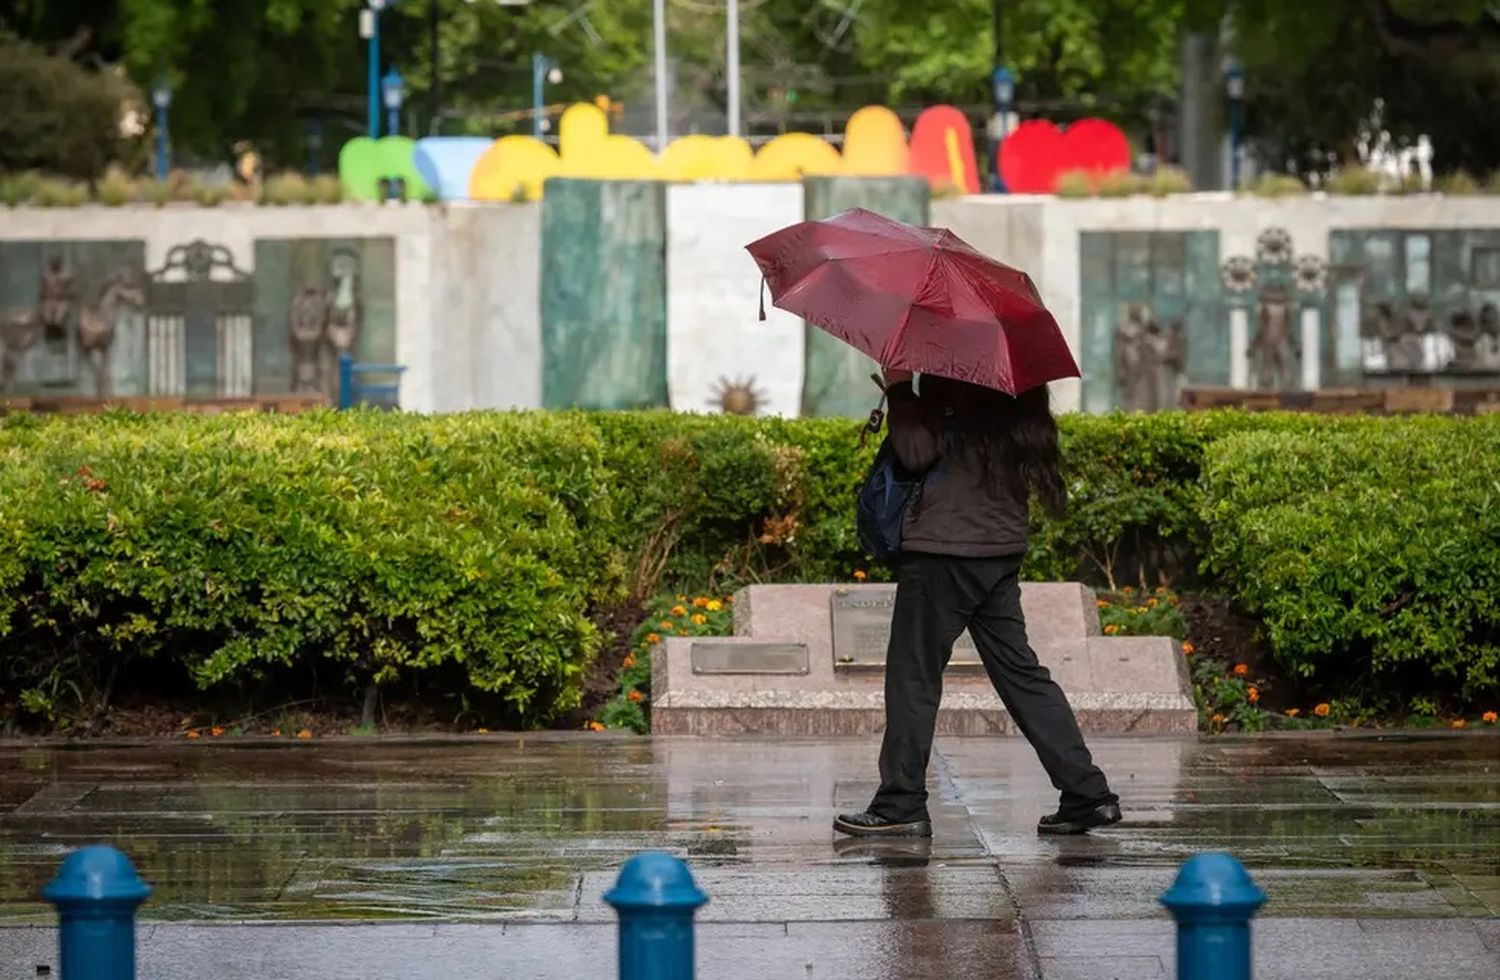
(961, 511)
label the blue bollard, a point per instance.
(655, 897)
(96, 893)
(1213, 901)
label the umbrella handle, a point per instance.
(763, 299)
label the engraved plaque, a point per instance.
(710, 657)
(862, 628)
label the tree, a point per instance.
(1070, 56)
(1316, 72)
(58, 116)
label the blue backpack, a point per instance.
(880, 507)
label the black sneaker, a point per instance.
(867, 824)
(1080, 823)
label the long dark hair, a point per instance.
(1015, 436)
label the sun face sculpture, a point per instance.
(1310, 274)
(1274, 247)
(1238, 274)
(737, 397)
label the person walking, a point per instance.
(984, 455)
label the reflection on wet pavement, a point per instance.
(529, 831)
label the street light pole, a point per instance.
(161, 98)
(1004, 85)
(659, 21)
(369, 29)
(1234, 84)
(732, 42)
(543, 70)
(393, 88)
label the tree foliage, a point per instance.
(58, 116)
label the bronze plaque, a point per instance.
(862, 628)
(710, 657)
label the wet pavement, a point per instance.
(489, 857)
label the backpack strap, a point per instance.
(877, 414)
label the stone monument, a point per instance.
(809, 659)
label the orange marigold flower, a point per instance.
(1240, 670)
(1102, 603)
(304, 734)
(1112, 629)
(1459, 723)
(595, 726)
(699, 619)
(192, 734)
(859, 575)
(1293, 712)
(1129, 591)
(1217, 719)
(275, 733)
(1152, 603)
(700, 602)
(714, 605)
(666, 626)
(1490, 718)
(1322, 710)
(653, 638)
(1253, 694)
(679, 610)
(629, 661)
(634, 696)
(216, 731)
(1188, 648)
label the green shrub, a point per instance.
(1120, 183)
(58, 192)
(1372, 553)
(327, 189)
(1457, 184)
(1359, 181)
(59, 116)
(1075, 184)
(1167, 181)
(288, 187)
(1277, 185)
(18, 189)
(116, 188)
(367, 547)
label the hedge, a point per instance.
(469, 554)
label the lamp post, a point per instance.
(659, 59)
(543, 70)
(393, 91)
(732, 43)
(1003, 84)
(161, 98)
(1234, 87)
(369, 29)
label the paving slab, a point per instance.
(489, 856)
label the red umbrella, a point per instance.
(921, 299)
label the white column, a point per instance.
(732, 42)
(659, 18)
(1239, 347)
(1312, 350)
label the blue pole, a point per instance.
(374, 59)
(96, 893)
(392, 121)
(655, 897)
(1236, 126)
(346, 380)
(538, 79)
(163, 165)
(1213, 901)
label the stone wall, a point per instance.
(455, 294)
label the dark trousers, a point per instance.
(937, 598)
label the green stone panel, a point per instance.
(837, 377)
(1205, 318)
(283, 266)
(604, 294)
(1096, 254)
(57, 367)
(1175, 275)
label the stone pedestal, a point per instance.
(808, 660)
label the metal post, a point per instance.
(163, 161)
(732, 43)
(373, 55)
(1234, 81)
(659, 15)
(1213, 901)
(655, 897)
(96, 893)
(538, 79)
(346, 380)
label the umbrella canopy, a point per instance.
(921, 299)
